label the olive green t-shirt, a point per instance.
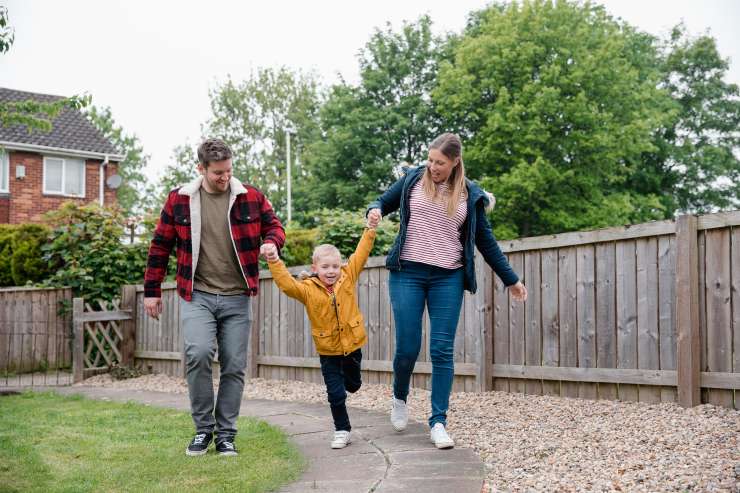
(218, 270)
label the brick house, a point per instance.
(40, 170)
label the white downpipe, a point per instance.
(102, 180)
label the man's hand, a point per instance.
(518, 291)
(269, 251)
(153, 307)
(373, 218)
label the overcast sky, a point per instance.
(153, 62)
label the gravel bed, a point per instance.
(538, 443)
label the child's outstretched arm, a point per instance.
(362, 252)
(281, 276)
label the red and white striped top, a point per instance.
(433, 237)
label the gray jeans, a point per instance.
(208, 321)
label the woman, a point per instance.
(443, 216)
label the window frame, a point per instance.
(5, 164)
(62, 192)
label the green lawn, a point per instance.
(52, 443)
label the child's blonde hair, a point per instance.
(318, 252)
(323, 251)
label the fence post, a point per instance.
(128, 327)
(254, 338)
(78, 347)
(687, 312)
(484, 309)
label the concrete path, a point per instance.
(379, 459)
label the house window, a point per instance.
(4, 171)
(64, 176)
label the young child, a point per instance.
(337, 326)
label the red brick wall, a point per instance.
(4, 209)
(27, 201)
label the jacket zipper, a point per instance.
(336, 313)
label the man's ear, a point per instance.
(201, 169)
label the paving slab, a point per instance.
(447, 485)
(315, 445)
(385, 430)
(379, 459)
(297, 424)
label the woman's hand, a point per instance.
(518, 291)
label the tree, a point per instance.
(697, 151)
(35, 115)
(7, 33)
(253, 116)
(388, 119)
(558, 103)
(131, 167)
(179, 172)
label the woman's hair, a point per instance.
(450, 145)
(318, 252)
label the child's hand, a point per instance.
(269, 251)
(373, 218)
(518, 291)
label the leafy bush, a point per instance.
(299, 245)
(21, 260)
(87, 254)
(27, 264)
(343, 229)
(6, 254)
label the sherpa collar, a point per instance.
(236, 187)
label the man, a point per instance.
(220, 227)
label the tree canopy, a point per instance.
(572, 118)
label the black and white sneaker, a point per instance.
(199, 444)
(226, 447)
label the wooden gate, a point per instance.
(102, 338)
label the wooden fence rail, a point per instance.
(649, 312)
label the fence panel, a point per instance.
(35, 336)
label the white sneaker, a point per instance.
(440, 437)
(399, 414)
(341, 439)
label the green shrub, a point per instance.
(87, 253)
(343, 229)
(27, 264)
(299, 245)
(6, 254)
(21, 258)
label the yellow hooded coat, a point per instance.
(337, 325)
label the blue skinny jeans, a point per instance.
(411, 288)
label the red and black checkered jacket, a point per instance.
(252, 222)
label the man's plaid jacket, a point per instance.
(252, 222)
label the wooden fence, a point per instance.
(35, 335)
(649, 312)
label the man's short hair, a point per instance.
(212, 150)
